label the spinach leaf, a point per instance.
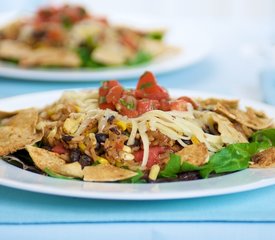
(172, 168)
(267, 135)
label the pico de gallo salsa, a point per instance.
(148, 95)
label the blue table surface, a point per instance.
(224, 71)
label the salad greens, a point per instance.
(234, 157)
(84, 54)
(264, 135)
(136, 179)
(140, 58)
(172, 168)
(56, 175)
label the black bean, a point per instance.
(115, 130)
(67, 138)
(137, 143)
(47, 148)
(206, 129)
(39, 34)
(188, 142)
(101, 137)
(75, 155)
(187, 176)
(111, 119)
(85, 160)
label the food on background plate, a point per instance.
(71, 37)
(115, 134)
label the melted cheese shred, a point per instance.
(178, 126)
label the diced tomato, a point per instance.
(147, 87)
(105, 105)
(103, 92)
(127, 105)
(181, 104)
(146, 81)
(106, 86)
(72, 14)
(164, 105)
(128, 40)
(129, 113)
(155, 92)
(59, 149)
(114, 94)
(153, 158)
(188, 99)
(178, 105)
(55, 34)
(145, 105)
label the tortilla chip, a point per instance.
(229, 133)
(264, 159)
(18, 131)
(211, 103)
(4, 114)
(106, 173)
(196, 154)
(251, 118)
(246, 131)
(45, 159)
(71, 170)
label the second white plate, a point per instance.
(193, 48)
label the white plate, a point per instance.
(236, 182)
(194, 48)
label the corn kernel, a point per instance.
(127, 149)
(82, 146)
(77, 109)
(195, 140)
(154, 172)
(50, 111)
(122, 125)
(126, 156)
(94, 130)
(102, 160)
(70, 126)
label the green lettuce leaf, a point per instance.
(234, 157)
(266, 135)
(85, 55)
(172, 168)
(56, 175)
(141, 57)
(135, 179)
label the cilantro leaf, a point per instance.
(145, 85)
